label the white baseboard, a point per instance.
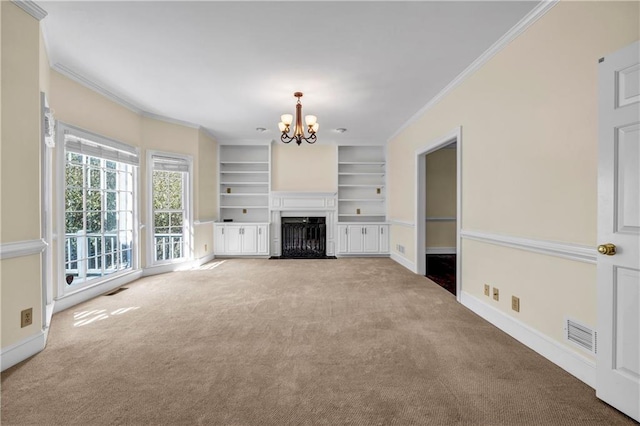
(173, 267)
(440, 250)
(82, 295)
(22, 350)
(570, 361)
(404, 262)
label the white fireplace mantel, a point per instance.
(311, 204)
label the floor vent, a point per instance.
(581, 335)
(114, 292)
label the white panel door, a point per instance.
(263, 239)
(343, 239)
(356, 237)
(618, 366)
(249, 239)
(371, 239)
(218, 239)
(232, 239)
(384, 238)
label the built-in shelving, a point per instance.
(244, 183)
(361, 184)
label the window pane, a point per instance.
(94, 200)
(111, 222)
(94, 222)
(176, 219)
(111, 178)
(94, 178)
(161, 220)
(73, 222)
(73, 176)
(94, 161)
(73, 200)
(112, 198)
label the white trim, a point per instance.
(31, 8)
(69, 73)
(170, 120)
(570, 361)
(403, 261)
(569, 251)
(89, 292)
(209, 133)
(18, 352)
(22, 248)
(189, 232)
(441, 219)
(440, 250)
(204, 222)
(535, 14)
(173, 267)
(454, 136)
(401, 223)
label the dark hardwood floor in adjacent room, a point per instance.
(441, 269)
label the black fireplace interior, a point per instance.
(304, 238)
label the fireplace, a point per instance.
(304, 238)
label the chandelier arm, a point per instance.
(286, 138)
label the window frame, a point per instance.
(188, 226)
(129, 152)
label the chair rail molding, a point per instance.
(398, 222)
(22, 248)
(569, 251)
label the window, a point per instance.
(99, 191)
(170, 204)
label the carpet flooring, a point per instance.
(267, 342)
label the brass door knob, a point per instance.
(608, 249)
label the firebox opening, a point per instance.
(304, 238)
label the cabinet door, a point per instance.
(356, 237)
(371, 239)
(232, 239)
(384, 238)
(343, 239)
(263, 239)
(249, 239)
(218, 239)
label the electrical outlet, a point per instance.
(26, 317)
(206, 247)
(496, 294)
(487, 290)
(515, 303)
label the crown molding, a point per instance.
(170, 120)
(68, 72)
(208, 132)
(536, 13)
(31, 8)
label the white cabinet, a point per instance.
(241, 239)
(363, 239)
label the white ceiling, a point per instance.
(233, 66)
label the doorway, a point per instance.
(438, 211)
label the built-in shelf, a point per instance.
(244, 183)
(361, 184)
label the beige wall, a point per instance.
(312, 168)
(441, 198)
(20, 162)
(529, 155)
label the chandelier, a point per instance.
(298, 131)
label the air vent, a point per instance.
(581, 335)
(116, 291)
